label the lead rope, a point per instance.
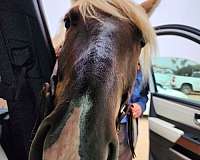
(130, 135)
(124, 110)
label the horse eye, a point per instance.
(67, 22)
(142, 42)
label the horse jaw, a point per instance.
(150, 5)
(67, 145)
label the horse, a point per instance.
(104, 39)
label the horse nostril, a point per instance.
(112, 152)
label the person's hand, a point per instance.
(3, 103)
(136, 110)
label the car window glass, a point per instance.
(176, 68)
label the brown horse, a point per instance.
(97, 66)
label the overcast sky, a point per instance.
(185, 12)
(168, 11)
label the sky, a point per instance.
(168, 12)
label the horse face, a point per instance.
(96, 69)
(102, 58)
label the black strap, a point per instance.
(130, 135)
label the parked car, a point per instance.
(170, 92)
(186, 84)
(163, 79)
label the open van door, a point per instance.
(174, 119)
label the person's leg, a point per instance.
(22, 119)
(21, 123)
(124, 149)
(22, 114)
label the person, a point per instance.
(139, 97)
(26, 62)
(137, 105)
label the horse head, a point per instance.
(96, 68)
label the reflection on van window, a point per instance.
(177, 77)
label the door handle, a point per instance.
(197, 119)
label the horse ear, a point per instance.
(150, 5)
